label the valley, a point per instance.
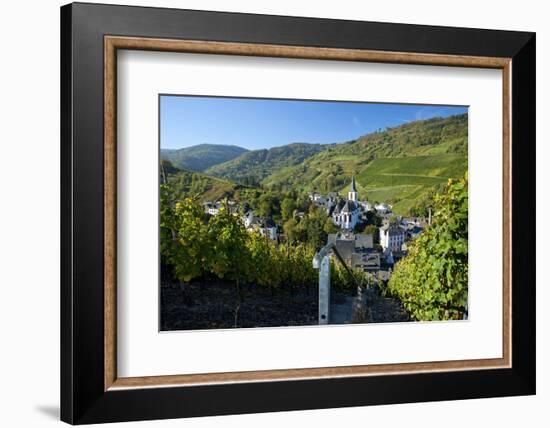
(401, 166)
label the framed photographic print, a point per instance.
(266, 213)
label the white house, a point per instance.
(212, 208)
(367, 206)
(264, 226)
(383, 208)
(317, 198)
(392, 236)
(269, 231)
(248, 218)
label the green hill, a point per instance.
(201, 156)
(403, 181)
(203, 187)
(254, 166)
(399, 165)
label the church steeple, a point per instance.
(352, 194)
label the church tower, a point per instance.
(352, 194)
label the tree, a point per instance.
(245, 207)
(426, 203)
(302, 273)
(230, 257)
(360, 227)
(260, 252)
(185, 243)
(373, 230)
(289, 227)
(314, 226)
(167, 224)
(393, 219)
(432, 280)
(196, 245)
(167, 167)
(268, 205)
(300, 231)
(287, 208)
(372, 218)
(329, 226)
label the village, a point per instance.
(373, 253)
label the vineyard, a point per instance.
(218, 251)
(261, 282)
(432, 280)
(240, 228)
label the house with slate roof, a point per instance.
(392, 236)
(346, 213)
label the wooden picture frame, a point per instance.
(91, 390)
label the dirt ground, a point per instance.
(384, 309)
(215, 305)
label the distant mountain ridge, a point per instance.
(202, 156)
(255, 165)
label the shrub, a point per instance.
(432, 280)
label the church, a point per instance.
(346, 214)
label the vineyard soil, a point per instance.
(214, 305)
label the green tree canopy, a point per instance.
(290, 229)
(329, 226)
(432, 280)
(269, 205)
(287, 208)
(185, 242)
(230, 256)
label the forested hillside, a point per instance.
(195, 184)
(254, 166)
(201, 156)
(399, 165)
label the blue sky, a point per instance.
(264, 123)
